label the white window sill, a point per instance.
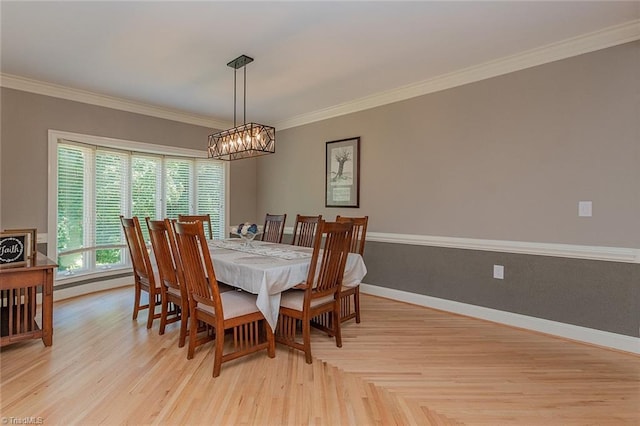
(68, 279)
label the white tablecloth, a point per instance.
(268, 269)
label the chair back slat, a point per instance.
(170, 224)
(359, 235)
(164, 249)
(326, 275)
(137, 249)
(204, 218)
(273, 229)
(304, 230)
(197, 265)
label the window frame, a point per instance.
(54, 136)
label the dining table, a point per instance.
(267, 269)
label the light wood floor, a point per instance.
(402, 365)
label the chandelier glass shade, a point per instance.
(244, 141)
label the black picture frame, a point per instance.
(15, 248)
(33, 241)
(342, 173)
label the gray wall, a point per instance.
(594, 294)
(26, 119)
(506, 158)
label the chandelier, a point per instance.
(249, 139)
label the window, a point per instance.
(178, 176)
(96, 184)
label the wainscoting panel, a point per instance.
(600, 295)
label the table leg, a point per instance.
(47, 308)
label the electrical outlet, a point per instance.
(498, 272)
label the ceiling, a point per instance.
(309, 56)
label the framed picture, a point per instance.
(342, 173)
(15, 248)
(34, 240)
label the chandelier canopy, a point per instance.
(247, 140)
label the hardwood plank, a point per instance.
(402, 364)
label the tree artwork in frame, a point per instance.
(342, 180)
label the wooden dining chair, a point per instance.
(204, 218)
(175, 300)
(304, 230)
(274, 227)
(145, 278)
(229, 310)
(358, 240)
(206, 223)
(321, 290)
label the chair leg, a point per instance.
(152, 309)
(136, 302)
(336, 328)
(306, 337)
(193, 334)
(217, 360)
(163, 313)
(356, 304)
(271, 340)
(184, 319)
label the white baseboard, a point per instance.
(79, 290)
(568, 331)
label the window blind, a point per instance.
(209, 178)
(146, 189)
(72, 190)
(178, 187)
(97, 184)
(111, 193)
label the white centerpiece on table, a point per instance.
(247, 231)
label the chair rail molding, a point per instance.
(574, 251)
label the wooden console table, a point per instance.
(18, 306)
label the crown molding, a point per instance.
(48, 89)
(608, 37)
